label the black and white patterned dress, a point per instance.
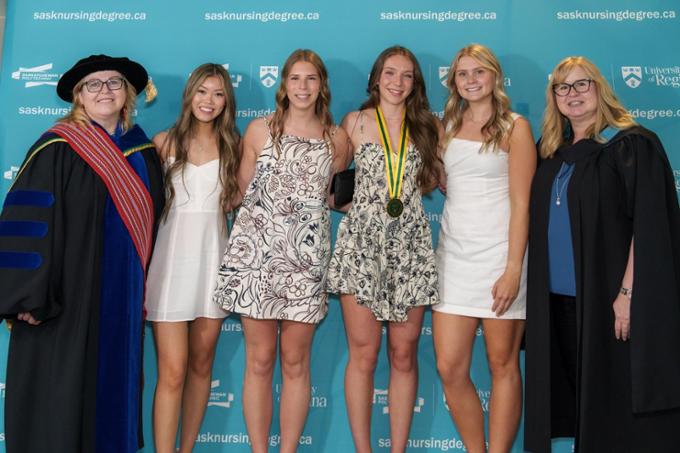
(279, 248)
(387, 263)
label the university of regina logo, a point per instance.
(269, 75)
(37, 75)
(632, 75)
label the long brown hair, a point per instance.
(610, 111)
(323, 102)
(421, 123)
(499, 125)
(224, 128)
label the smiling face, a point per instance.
(578, 107)
(474, 82)
(396, 80)
(303, 85)
(105, 106)
(209, 100)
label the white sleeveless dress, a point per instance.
(473, 240)
(189, 247)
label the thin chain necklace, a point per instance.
(559, 189)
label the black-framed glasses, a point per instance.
(580, 86)
(96, 85)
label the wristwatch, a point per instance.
(628, 292)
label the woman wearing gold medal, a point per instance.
(383, 265)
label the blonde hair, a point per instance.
(500, 124)
(223, 128)
(610, 112)
(79, 116)
(323, 101)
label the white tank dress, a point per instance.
(472, 250)
(189, 247)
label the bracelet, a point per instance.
(628, 292)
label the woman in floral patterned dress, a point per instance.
(274, 269)
(383, 264)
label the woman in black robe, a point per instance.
(603, 303)
(76, 232)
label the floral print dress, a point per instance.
(279, 248)
(386, 262)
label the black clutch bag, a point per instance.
(342, 187)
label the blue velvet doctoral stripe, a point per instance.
(23, 228)
(36, 198)
(20, 260)
(120, 333)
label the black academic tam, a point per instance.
(628, 393)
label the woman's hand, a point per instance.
(27, 317)
(505, 291)
(621, 308)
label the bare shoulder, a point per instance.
(160, 141)
(349, 121)
(256, 128)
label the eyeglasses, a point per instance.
(579, 86)
(96, 85)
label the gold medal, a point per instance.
(394, 176)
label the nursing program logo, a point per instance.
(380, 398)
(236, 79)
(10, 174)
(676, 174)
(632, 75)
(37, 75)
(218, 397)
(661, 76)
(269, 75)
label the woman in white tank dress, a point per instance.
(200, 154)
(489, 161)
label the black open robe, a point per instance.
(628, 393)
(51, 392)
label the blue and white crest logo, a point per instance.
(632, 75)
(37, 75)
(444, 75)
(11, 173)
(269, 75)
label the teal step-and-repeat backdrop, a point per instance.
(636, 44)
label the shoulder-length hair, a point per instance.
(610, 112)
(223, 127)
(422, 125)
(78, 116)
(323, 101)
(499, 125)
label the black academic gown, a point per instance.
(52, 368)
(628, 393)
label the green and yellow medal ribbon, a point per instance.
(394, 171)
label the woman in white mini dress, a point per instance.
(489, 161)
(201, 156)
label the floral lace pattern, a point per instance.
(279, 248)
(387, 263)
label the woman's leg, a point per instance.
(296, 345)
(260, 336)
(403, 354)
(203, 334)
(503, 338)
(172, 351)
(364, 334)
(454, 337)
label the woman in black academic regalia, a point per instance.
(603, 304)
